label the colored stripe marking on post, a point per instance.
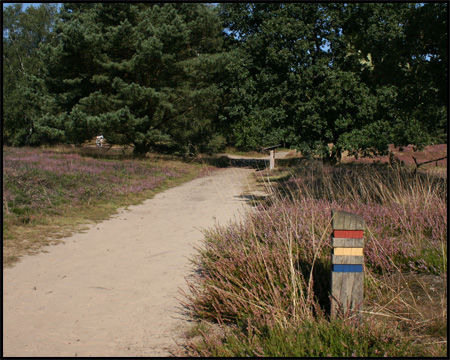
(347, 268)
(348, 251)
(350, 234)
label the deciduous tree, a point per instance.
(357, 76)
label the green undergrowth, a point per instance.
(311, 338)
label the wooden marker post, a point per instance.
(271, 150)
(347, 259)
(272, 160)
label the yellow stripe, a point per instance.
(348, 251)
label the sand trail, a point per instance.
(112, 290)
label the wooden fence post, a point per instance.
(347, 276)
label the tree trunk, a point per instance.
(140, 150)
(333, 157)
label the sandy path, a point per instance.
(111, 291)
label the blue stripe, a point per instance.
(347, 268)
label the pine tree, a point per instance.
(23, 34)
(141, 74)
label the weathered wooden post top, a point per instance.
(347, 259)
(271, 150)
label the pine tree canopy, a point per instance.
(140, 74)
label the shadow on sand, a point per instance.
(253, 163)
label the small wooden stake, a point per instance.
(347, 276)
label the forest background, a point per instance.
(184, 78)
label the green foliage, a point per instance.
(311, 339)
(358, 76)
(403, 54)
(188, 77)
(23, 34)
(141, 74)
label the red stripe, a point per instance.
(349, 234)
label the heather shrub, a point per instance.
(405, 212)
(263, 268)
(276, 263)
(273, 269)
(38, 182)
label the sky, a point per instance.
(24, 6)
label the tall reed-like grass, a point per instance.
(405, 213)
(273, 269)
